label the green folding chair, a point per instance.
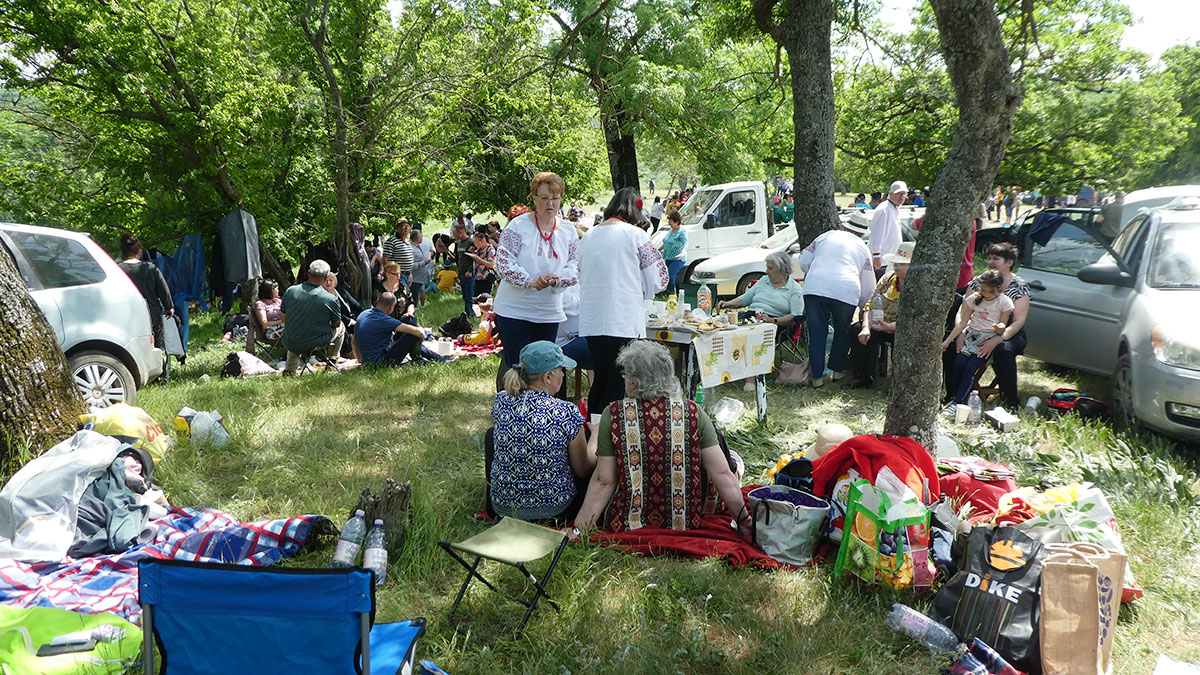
(513, 542)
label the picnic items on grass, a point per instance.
(887, 535)
(994, 597)
(204, 428)
(1080, 597)
(787, 522)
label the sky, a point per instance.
(1160, 23)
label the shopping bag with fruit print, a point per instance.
(886, 537)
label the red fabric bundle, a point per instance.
(983, 496)
(869, 454)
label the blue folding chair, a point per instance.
(211, 618)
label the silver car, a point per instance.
(1129, 310)
(99, 318)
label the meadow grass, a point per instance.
(311, 444)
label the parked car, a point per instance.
(1130, 311)
(97, 314)
(1142, 200)
(719, 219)
(730, 274)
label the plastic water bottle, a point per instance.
(350, 541)
(910, 622)
(375, 557)
(704, 298)
(976, 407)
(877, 307)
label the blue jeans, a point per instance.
(403, 345)
(516, 333)
(965, 367)
(577, 349)
(821, 312)
(673, 267)
(468, 292)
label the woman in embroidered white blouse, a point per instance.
(536, 259)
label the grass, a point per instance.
(312, 444)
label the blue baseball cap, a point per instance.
(542, 357)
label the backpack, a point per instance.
(459, 325)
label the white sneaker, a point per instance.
(837, 376)
(948, 411)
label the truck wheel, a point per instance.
(747, 281)
(102, 379)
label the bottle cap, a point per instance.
(379, 522)
(358, 512)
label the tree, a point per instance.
(1182, 166)
(39, 402)
(979, 68)
(805, 32)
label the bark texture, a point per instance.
(978, 63)
(39, 402)
(622, 151)
(804, 32)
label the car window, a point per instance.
(737, 208)
(693, 210)
(1069, 248)
(58, 261)
(1123, 244)
(30, 282)
(1175, 262)
(784, 237)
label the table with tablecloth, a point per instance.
(715, 357)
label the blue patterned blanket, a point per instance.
(109, 583)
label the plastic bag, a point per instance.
(132, 425)
(204, 428)
(886, 536)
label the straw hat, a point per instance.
(829, 436)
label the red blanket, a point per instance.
(715, 538)
(869, 454)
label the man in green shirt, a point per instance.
(312, 320)
(786, 211)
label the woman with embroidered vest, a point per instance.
(537, 462)
(536, 260)
(619, 267)
(658, 461)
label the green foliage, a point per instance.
(1182, 73)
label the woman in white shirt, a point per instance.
(838, 278)
(618, 268)
(537, 258)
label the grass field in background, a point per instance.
(311, 444)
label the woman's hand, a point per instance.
(985, 349)
(721, 304)
(959, 343)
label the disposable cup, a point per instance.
(961, 413)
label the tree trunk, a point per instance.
(273, 269)
(622, 152)
(39, 402)
(805, 35)
(979, 68)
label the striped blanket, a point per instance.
(108, 583)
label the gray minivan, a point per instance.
(98, 316)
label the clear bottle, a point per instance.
(704, 298)
(375, 555)
(350, 541)
(910, 622)
(877, 307)
(976, 406)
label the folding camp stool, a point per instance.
(513, 542)
(214, 618)
(986, 391)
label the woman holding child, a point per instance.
(1004, 347)
(658, 460)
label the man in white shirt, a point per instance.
(885, 224)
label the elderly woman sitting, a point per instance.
(658, 461)
(536, 451)
(780, 300)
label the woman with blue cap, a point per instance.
(538, 463)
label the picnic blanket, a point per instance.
(715, 538)
(108, 583)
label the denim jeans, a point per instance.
(821, 312)
(673, 267)
(468, 293)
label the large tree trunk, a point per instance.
(805, 34)
(979, 68)
(39, 402)
(622, 152)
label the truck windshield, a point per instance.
(1176, 259)
(692, 212)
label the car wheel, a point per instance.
(747, 281)
(102, 379)
(685, 274)
(1122, 394)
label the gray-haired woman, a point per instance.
(658, 461)
(780, 299)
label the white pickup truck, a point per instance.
(719, 219)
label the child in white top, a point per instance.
(984, 315)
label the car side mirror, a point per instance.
(794, 249)
(711, 221)
(1106, 273)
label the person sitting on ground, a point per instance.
(446, 278)
(984, 315)
(776, 299)
(267, 313)
(864, 352)
(312, 322)
(384, 340)
(538, 462)
(662, 473)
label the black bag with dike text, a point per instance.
(994, 596)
